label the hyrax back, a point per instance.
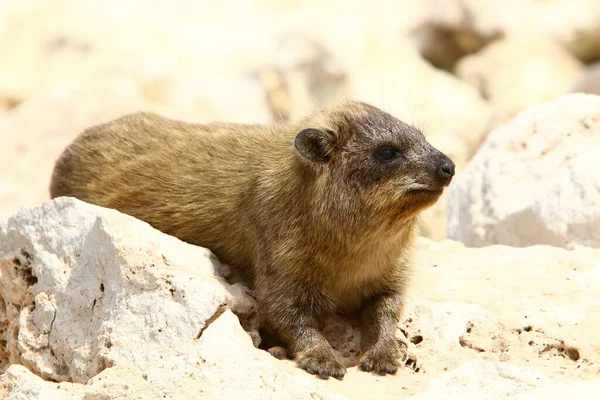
(319, 215)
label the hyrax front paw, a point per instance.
(382, 359)
(321, 362)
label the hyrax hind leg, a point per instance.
(293, 314)
(378, 318)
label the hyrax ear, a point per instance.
(314, 144)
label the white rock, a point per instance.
(501, 381)
(66, 39)
(518, 71)
(533, 306)
(304, 75)
(223, 365)
(93, 288)
(534, 181)
(496, 304)
(464, 25)
(589, 81)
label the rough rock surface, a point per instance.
(111, 308)
(534, 307)
(56, 41)
(589, 81)
(534, 181)
(504, 381)
(519, 71)
(76, 280)
(464, 26)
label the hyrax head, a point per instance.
(383, 163)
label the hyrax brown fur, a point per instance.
(319, 214)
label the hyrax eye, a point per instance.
(385, 154)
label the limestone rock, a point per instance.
(504, 381)
(84, 291)
(309, 75)
(506, 304)
(589, 81)
(534, 180)
(519, 71)
(207, 369)
(123, 311)
(464, 26)
(65, 39)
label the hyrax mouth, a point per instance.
(428, 192)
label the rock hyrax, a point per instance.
(319, 214)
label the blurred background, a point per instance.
(454, 68)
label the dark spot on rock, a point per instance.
(23, 268)
(62, 369)
(26, 255)
(416, 339)
(412, 364)
(469, 327)
(57, 43)
(103, 364)
(466, 343)
(531, 343)
(572, 353)
(31, 280)
(108, 344)
(61, 43)
(527, 328)
(102, 287)
(172, 292)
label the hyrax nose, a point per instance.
(445, 168)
